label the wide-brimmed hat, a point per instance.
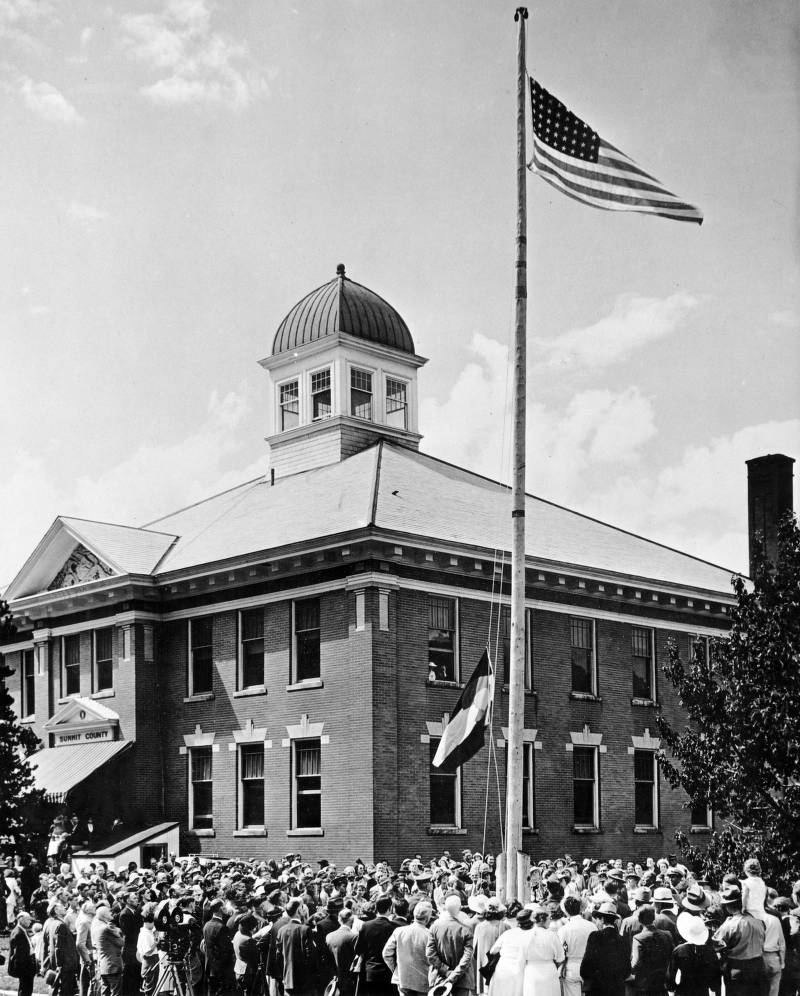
(731, 895)
(642, 895)
(663, 895)
(617, 874)
(608, 911)
(478, 904)
(695, 899)
(692, 928)
(495, 904)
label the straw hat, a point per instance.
(692, 928)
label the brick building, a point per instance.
(271, 667)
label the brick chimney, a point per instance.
(769, 497)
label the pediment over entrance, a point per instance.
(82, 720)
(82, 565)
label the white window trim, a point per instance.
(708, 825)
(190, 765)
(62, 688)
(456, 636)
(279, 407)
(294, 741)
(376, 401)
(240, 685)
(595, 825)
(594, 682)
(655, 792)
(240, 784)
(653, 686)
(25, 706)
(387, 376)
(310, 394)
(95, 686)
(293, 678)
(528, 748)
(190, 660)
(458, 825)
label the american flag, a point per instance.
(578, 162)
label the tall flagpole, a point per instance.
(516, 699)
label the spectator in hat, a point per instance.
(245, 950)
(650, 954)
(666, 916)
(218, 949)
(630, 924)
(405, 953)
(573, 933)
(606, 962)
(376, 979)
(60, 954)
(694, 966)
(511, 946)
(341, 944)
(741, 941)
(489, 925)
(327, 924)
(450, 948)
(298, 951)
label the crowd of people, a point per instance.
(271, 928)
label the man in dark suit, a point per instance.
(130, 923)
(341, 945)
(327, 925)
(606, 962)
(21, 960)
(218, 949)
(296, 943)
(370, 942)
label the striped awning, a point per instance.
(59, 769)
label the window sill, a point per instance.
(251, 832)
(306, 832)
(700, 830)
(647, 703)
(200, 697)
(28, 719)
(530, 831)
(298, 686)
(104, 693)
(202, 832)
(584, 697)
(586, 830)
(441, 683)
(528, 691)
(244, 693)
(648, 830)
(446, 831)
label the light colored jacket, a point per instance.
(449, 952)
(108, 949)
(405, 954)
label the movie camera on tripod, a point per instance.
(174, 930)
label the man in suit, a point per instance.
(21, 960)
(61, 953)
(376, 979)
(405, 952)
(650, 955)
(341, 944)
(296, 943)
(449, 950)
(130, 923)
(218, 949)
(327, 925)
(108, 953)
(606, 962)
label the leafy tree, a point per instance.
(740, 751)
(19, 798)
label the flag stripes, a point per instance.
(463, 736)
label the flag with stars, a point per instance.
(463, 736)
(572, 157)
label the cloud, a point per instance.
(151, 481)
(785, 319)
(85, 215)
(18, 19)
(634, 322)
(200, 65)
(48, 102)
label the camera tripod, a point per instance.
(172, 979)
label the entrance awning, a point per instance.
(59, 769)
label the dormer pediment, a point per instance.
(82, 720)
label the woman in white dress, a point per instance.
(530, 956)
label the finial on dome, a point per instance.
(340, 270)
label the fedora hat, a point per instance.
(731, 895)
(607, 911)
(692, 928)
(663, 895)
(695, 899)
(617, 874)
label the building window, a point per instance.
(643, 663)
(361, 394)
(505, 647)
(528, 786)
(442, 649)
(28, 683)
(699, 650)
(645, 788)
(71, 670)
(445, 790)
(321, 395)
(585, 787)
(701, 815)
(290, 405)
(308, 784)
(396, 403)
(252, 777)
(201, 816)
(200, 655)
(306, 639)
(251, 628)
(582, 653)
(103, 659)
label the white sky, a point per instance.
(176, 175)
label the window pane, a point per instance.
(396, 405)
(253, 761)
(201, 632)
(583, 760)
(699, 814)
(202, 680)
(253, 803)
(202, 800)
(441, 613)
(309, 811)
(581, 670)
(584, 804)
(361, 394)
(201, 764)
(642, 685)
(72, 651)
(308, 655)
(640, 642)
(308, 783)
(290, 405)
(252, 663)
(102, 644)
(308, 760)
(253, 624)
(443, 793)
(105, 675)
(643, 765)
(28, 683)
(306, 614)
(321, 395)
(643, 804)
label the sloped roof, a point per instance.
(342, 305)
(403, 491)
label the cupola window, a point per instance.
(321, 395)
(361, 394)
(396, 403)
(290, 405)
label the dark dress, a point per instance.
(606, 963)
(699, 967)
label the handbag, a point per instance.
(487, 970)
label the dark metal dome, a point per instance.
(342, 305)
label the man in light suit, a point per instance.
(108, 952)
(450, 949)
(405, 952)
(296, 943)
(20, 954)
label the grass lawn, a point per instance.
(6, 982)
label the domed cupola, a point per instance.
(343, 306)
(343, 374)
